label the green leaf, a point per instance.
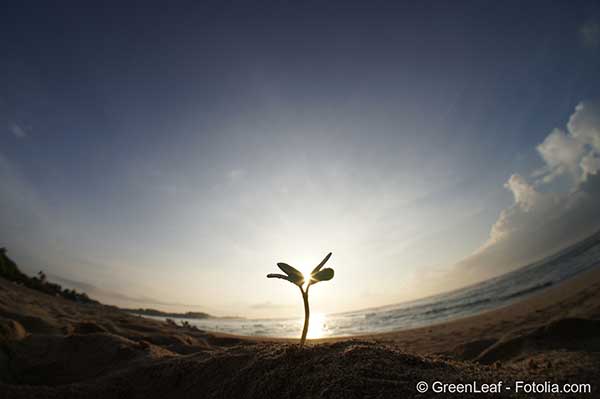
(316, 269)
(323, 275)
(289, 270)
(291, 279)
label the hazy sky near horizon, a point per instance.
(169, 156)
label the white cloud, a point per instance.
(562, 154)
(590, 165)
(574, 152)
(540, 221)
(584, 124)
(525, 195)
(18, 131)
(531, 209)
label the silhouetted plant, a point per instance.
(294, 276)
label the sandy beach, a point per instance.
(56, 348)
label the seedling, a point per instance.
(294, 276)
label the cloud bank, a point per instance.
(543, 219)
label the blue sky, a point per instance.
(173, 155)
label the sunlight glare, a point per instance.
(306, 274)
(317, 326)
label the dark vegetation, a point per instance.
(10, 271)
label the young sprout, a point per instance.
(294, 276)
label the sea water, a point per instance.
(487, 295)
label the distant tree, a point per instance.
(42, 277)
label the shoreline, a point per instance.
(535, 302)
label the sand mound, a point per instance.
(569, 333)
(571, 330)
(178, 343)
(32, 323)
(87, 327)
(349, 369)
(472, 349)
(54, 360)
(11, 330)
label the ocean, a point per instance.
(490, 294)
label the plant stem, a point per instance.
(306, 315)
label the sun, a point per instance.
(306, 274)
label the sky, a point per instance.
(169, 155)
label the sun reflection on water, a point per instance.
(317, 327)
